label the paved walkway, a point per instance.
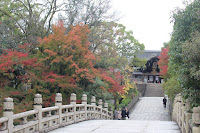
(150, 108)
(120, 126)
(148, 116)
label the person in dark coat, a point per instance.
(164, 102)
(127, 113)
(123, 113)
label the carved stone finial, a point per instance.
(84, 98)
(93, 99)
(38, 99)
(8, 104)
(73, 97)
(100, 102)
(105, 105)
(58, 98)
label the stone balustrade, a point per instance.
(188, 120)
(133, 102)
(47, 119)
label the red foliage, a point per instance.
(53, 98)
(70, 51)
(164, 60)
(78, 101)
(12, 57)
(114, 80)
(12, 62)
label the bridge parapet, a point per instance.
(46, 119)
(188, 120)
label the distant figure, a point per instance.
(164, 102)
(127, 113)
(123, 113)
(119, 114)
(115, 114)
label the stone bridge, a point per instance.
(47, 119)
(147, 116)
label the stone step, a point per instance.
(154, 90)
(120, 126)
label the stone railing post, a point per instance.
(196, 120)
(8, 107)
(93, 103)
(100, 105)
(106, 107)
(84, 101)
(58, 102)
(183, 119)
(73, 102)
(179, 110)
(188, 116)
(38, 106)
(187, 105)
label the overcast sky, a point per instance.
(148, 19)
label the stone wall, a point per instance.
(47, 119)
(187, 119)
(133, 102)
(141, 88)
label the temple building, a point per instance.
(150, 73)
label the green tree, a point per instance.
(191, 52)
(26, 19)
(114, 44)
(182, 44)
(136, 62)
(90, 12)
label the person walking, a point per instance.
(119, 114)
(127, 113)
(164, 102)
(115, 114)
(123, 113)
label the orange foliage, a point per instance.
(163, 62)
(15, 65)
(114, 79)
(67, 55)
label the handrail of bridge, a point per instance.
(46, 119)
(188, 121)
(133, 102)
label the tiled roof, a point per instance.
(148, 54)
(135, 72)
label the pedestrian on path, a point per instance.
(123, 113)
(164, 102)
(127, 113)
(115, 114)
(119, 114)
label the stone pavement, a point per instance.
(148, 116)
(150, 108)
(120, 126)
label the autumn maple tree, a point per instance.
(15, 71)
(114, 80)
(67, 59)
(15, 67)
(163, 62)
(63, 63)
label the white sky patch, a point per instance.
(148, 19)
